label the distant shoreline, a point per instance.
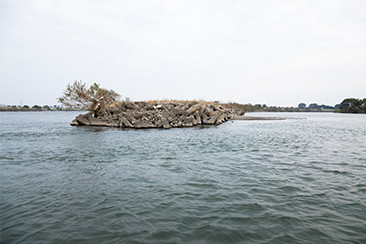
(21, 109)
(256, 111)
(11, 109)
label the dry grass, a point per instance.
(164, 101)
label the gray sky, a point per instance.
(268, 52)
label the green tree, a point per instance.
(93, 98)
(353, 105)
(37, 107)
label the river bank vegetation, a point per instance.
(36, 108)
(352, 105)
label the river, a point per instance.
(300, 180)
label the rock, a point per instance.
(138, 115)
(129, 116)
(149, 107)
(213, 108)
(194, 121)
(125, 123)
(83, 119)
(179, 111)
(191, 120)
(74, 123)
(113, 110)
(211, 120)
(154, 115)
(112, 124)
(197, 117)
(141, 125)
(220, 119)
(96, 122)
(131, 105)
(167, 107)
(140, 105)
(194, 108)
(121, 108)
(158, 123)
(207, 112)
(166, 124)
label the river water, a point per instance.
(301, 180)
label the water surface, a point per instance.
(301, 180)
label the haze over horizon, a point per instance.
(261, 52)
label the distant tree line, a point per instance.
(348, 105)
(352, 105)
(317, 107)
(301, 108)
(11, 108)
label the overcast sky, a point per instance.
(267, 52)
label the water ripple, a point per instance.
(293, 181)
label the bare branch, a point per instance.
(94, 98)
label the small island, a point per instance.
(166, 114)
(106, 110)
